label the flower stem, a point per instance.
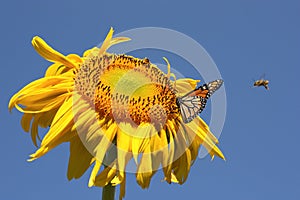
(108, 192)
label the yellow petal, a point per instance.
(185, 85)
(124, 155)
(37, 89)
(80, 159)
(106, 141)
(118, 40)
(106, 42)
(145, 169)
(173, 178)
(50, 54)
(59, 131)
(167, 165)
(56, 69)
(105, 176)
(207, 142)
(182, 167)
(142, 139)
(34, 130)
(203, 125)
(26, 121)
(46, 118)
(95, 170)
(122, 188)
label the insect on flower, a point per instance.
(194, 102)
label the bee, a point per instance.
(261, 82)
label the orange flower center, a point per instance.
(127, 89)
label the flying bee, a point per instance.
(261, 82)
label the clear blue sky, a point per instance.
(245, 39)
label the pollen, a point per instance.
(127, 89)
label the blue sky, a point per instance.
(244, 38)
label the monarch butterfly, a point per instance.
(193, 103)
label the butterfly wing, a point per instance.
(214, 86)
(194, 102)
(190, 107)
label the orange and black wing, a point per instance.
(194, 102)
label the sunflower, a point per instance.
(112, 109)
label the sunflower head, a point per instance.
(102, 103)
(127, 89)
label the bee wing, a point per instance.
(262, 77)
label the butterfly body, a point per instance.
(193, 103)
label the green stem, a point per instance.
(108, 192)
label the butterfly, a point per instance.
(193, 103)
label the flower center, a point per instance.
(127, 89)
